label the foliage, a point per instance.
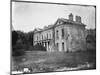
(14, 37)
(44, 62)
(91, 39)
(38, 47)
(17, 46)
(22, 42)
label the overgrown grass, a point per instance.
(41, 61)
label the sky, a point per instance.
(28, 16)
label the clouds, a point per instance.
(27, 16)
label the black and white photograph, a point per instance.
(52, 37)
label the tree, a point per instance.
(14, 37)
(17, 49)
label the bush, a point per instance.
(38, 47)
(17, 50)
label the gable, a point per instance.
(59, 22)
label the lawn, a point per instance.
(41, 61)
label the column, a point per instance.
(47, 46)
(43, 44)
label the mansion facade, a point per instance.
(64, 35)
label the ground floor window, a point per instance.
(63, 46)
(57, 46)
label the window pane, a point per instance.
(62, 33)
(57, 46)
(63, 46)
(57, 34)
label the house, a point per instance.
(65, 35)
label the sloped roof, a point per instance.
(63, 20)
(59, 20)
(37, 29)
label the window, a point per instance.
(63, 46)
(62, 33)
(42, 37)
(57, 34)
(47, 35)
(48, 43)
(57, 46)
(37, 37)
(50, 36)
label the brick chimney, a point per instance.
(78, 19)
(71, 16)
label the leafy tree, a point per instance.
(17, 46)
(14, 37)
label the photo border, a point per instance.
(21, 1)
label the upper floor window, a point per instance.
(62, 33)
(47, 35)
(57, 34)
(42, 37)
(37, 37)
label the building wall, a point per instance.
(74, 37)
(44, 38)
(60, 39)
(66, 35)
(77, 35)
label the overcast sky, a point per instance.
(27, 16)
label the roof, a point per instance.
(63, 20)
(59, 21)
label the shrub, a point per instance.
(17, 50)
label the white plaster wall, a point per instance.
(44, 33)
(60, 40)
(76, 37)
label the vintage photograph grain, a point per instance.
(52, 37)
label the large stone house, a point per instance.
(65, 35)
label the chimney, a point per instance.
(78, 19)
(71, 16)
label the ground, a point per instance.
(42, 61)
